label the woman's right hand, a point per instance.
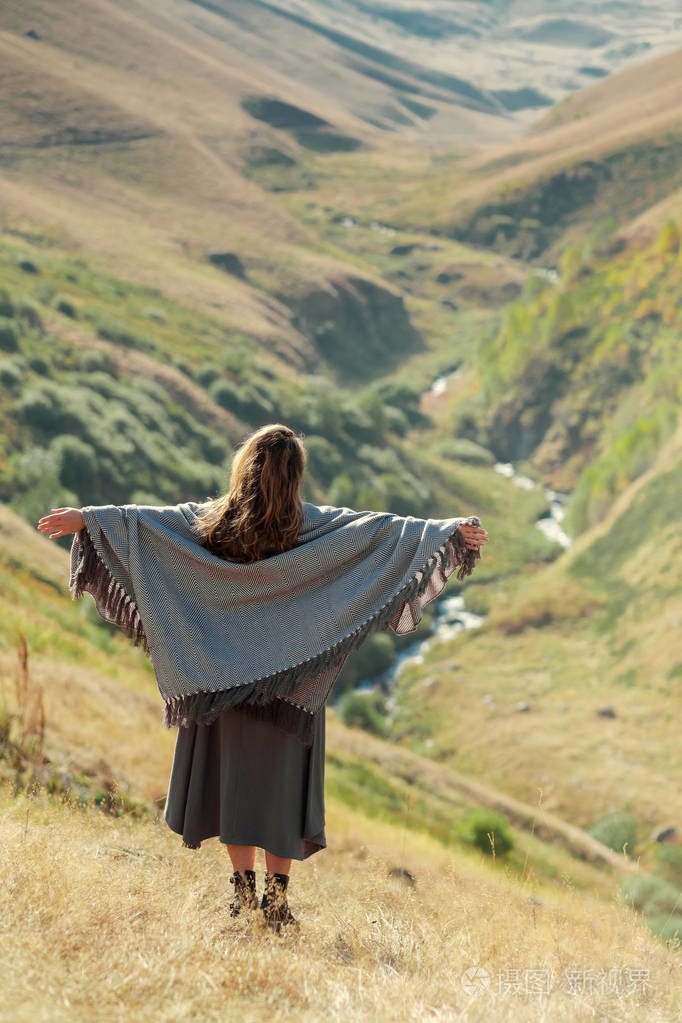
(474, 536)
(61, 522)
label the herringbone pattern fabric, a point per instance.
(271, 635)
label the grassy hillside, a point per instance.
(576, 671)
(406, 871)
(582, 377)
(166, 184)
(195, 241)
(610, 151)
(84, 886)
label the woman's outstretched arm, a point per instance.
(61, 522)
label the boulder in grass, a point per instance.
(402, 874)
(666, 834)
(227, 261)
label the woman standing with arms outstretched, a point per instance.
(249, 604)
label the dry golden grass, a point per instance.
(106, 919)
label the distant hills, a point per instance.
(499, 58)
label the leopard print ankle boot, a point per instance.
(274, 903)
(244, 892)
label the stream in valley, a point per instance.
(450, 615)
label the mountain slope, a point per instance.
(597, 629)
(510, 56)
(383, 917)
(166, 183)
(611, 150)
(380, 895)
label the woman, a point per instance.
(241, 771)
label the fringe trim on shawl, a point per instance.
(266, 698)
(93, 576)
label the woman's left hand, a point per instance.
(474, 536)
(61, 521)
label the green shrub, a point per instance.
(36, 408)
(224, 394)
(50, 408)
(28, 266)
(120, 333)
(8, 335)
(92, 360)
(669, 860)
(67, 308)
(365, 710)
(383, 459)
(396, 421)
(650, 895)
(6, 304)
(535, 285)
(10, 374)
(213, 447)
(39, 365)
(667, 926)
(398, 494)
(247, 402)
(101, 383)
(25, 309)
(341, 491)
(45, 292)
(238, 362)
(371, 661)
(370, 498)
(465, 450)
(183, 366)
(207, 374)
(617, 831)
(353, 420)
(487, 830)
(324, 459)
(33, 485)
(77, 463)
(373, 405)
(255, 402)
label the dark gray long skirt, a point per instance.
(248, 782)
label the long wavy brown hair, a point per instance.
(262, 512)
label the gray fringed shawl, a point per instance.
(270, 636)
